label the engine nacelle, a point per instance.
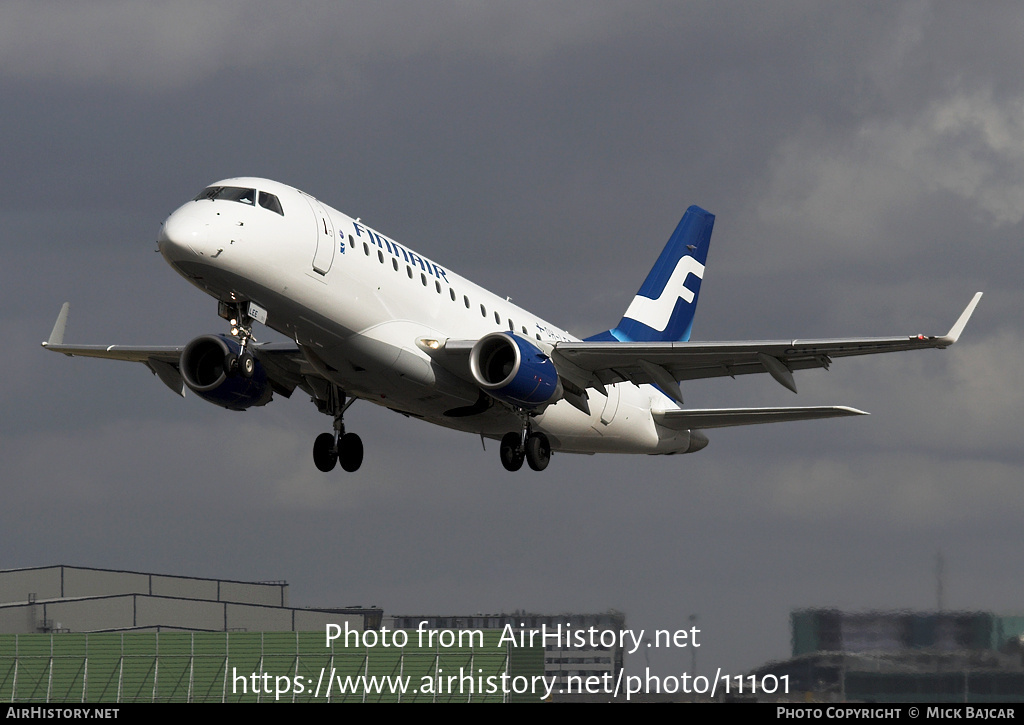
(203, 369)
(514, 370)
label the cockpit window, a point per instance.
(245, 196)
(269, 201)
(231, 193)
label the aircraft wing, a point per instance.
(285, 364)
(595, 364)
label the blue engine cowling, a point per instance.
(203, 369)
(514, 370)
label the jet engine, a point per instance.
(205, 368)
(514, 370)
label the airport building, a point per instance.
(573, 646)
(84, 599)
(955, 657)
(79, 634)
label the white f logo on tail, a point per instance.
(656, 314)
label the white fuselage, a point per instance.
(357, 303)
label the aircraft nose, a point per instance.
(182, 235)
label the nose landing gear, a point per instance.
(242, 363)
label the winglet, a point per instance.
(57, 334)
(954, 332)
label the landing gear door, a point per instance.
(325, 242)
(611, 404)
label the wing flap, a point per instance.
(169, 375)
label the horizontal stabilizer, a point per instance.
(726, 417)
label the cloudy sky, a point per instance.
(866, 165)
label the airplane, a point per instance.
(369, 319)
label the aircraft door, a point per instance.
(325, 241)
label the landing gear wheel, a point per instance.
(246, 364)
(230, 364)
(350, 452)
(325, 454)
(511, 455)
(345, 448)
(538, 451)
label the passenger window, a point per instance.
(408, 271)
(466, 298)
(511, 326)
(380, 256)
(497, 317)
(394, 263)
(452, 292)
(351, 242)
(271, 202)
(366, 249)
(483, 311)
(438, 285)
(524, 330)
(423, 279)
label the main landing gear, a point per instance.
(330, 449)
(533, 447)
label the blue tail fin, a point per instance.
(663, 308)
